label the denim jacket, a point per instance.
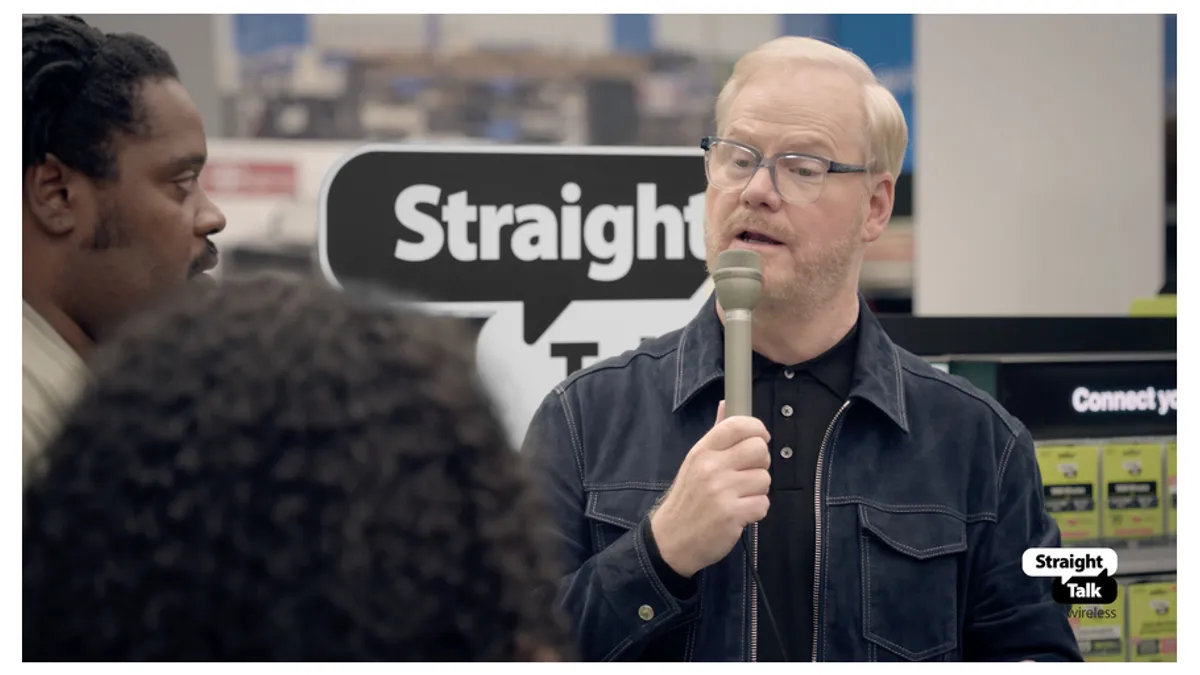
(928, 493)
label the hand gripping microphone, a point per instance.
(738, 279)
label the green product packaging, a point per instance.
(1070, 488)
(1171, 513)
(1100, 629)
(1133, 491)
(1152, 632)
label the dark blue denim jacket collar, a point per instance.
(877, 373)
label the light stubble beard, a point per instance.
(820, 273)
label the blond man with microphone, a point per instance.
(865, 507)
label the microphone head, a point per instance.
(738, 278)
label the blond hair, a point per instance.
(886, 132)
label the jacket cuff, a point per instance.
(679, 586)
(639, 598)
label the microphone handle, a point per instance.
(738, 355)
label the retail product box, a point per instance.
(1071, 486)
(1133, 490)
(1152, 632)
(1171, 513)
(1100, 629)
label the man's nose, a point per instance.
(760, 191)
(210, 220)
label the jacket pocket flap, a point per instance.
(920, 534)
(624, 507)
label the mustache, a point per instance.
(749, 221)
(206, 260)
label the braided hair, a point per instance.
(271, 472)
(80, 87)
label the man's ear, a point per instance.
(53, 191)
(879, 207)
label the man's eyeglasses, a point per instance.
(797, 177)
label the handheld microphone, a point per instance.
(738, 278)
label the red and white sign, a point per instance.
(249, 179)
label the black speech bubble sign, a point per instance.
(359, 225)
(1075, 590)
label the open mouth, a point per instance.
(199, 273)
(207, 262)
(750, 237)
(203, 279)
(202, 265)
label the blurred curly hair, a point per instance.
(272, 471)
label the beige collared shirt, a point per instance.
(53, 376)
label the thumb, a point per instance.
(720, 412)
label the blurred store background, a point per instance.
(286, 95)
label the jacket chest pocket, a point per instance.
(910, 567)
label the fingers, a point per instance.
(751, 483)
(729, 432)
(749, 453)
(720, 412)
(753, 509)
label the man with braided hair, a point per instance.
(112, 211)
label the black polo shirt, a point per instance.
(797, 403)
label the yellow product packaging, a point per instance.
(1133, 491)
(1100, 629)
(1152, 632)
(1171, 513)
(1070, 486)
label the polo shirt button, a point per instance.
(646, 612)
